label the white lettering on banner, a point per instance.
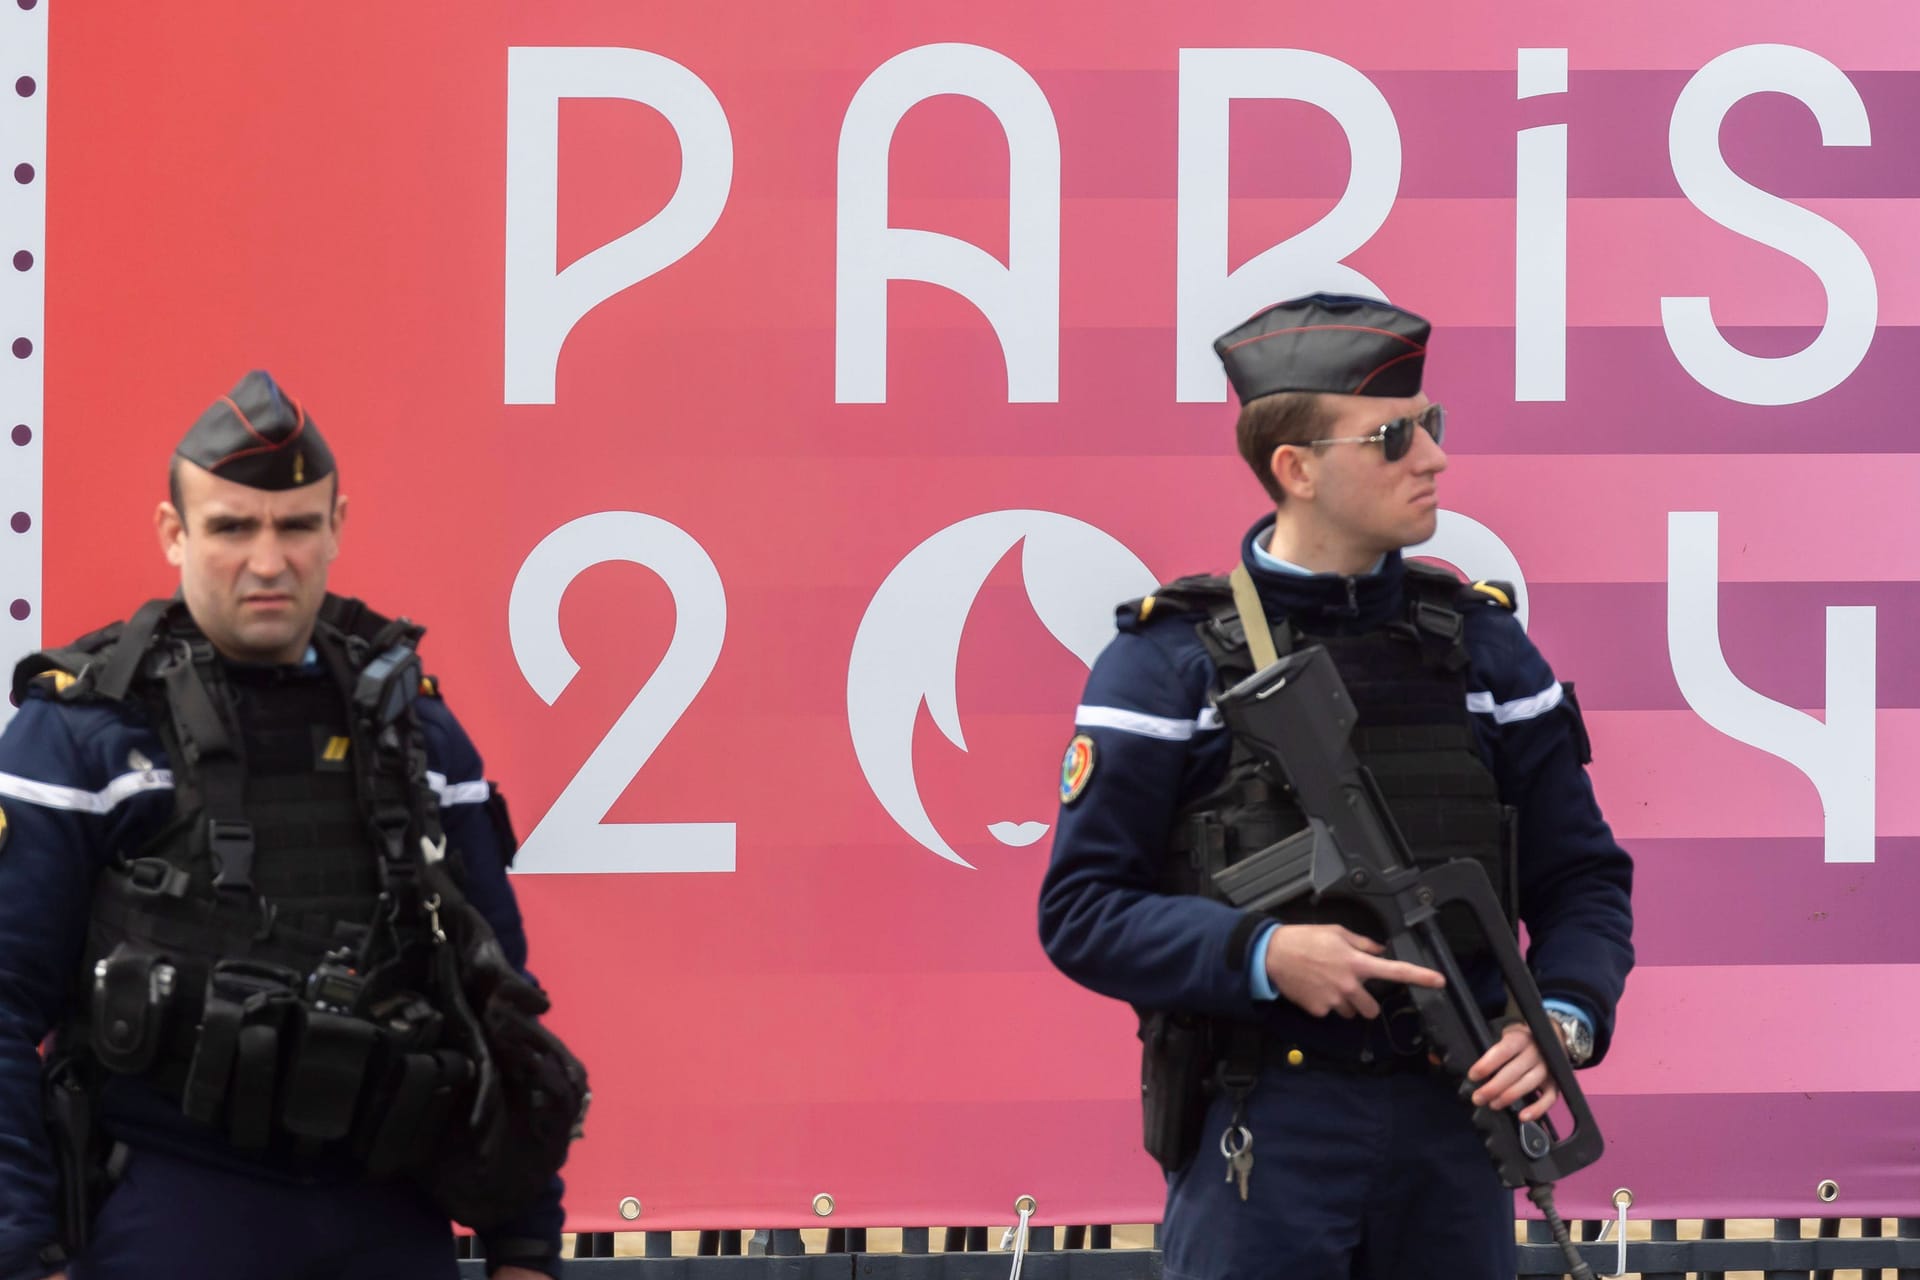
(1210, 298)
(1837, 755)
(1477, 551)
(1853, 302)
(1540, 239)
(1022, 299)
(542, 306)
(572, 836)
(907, 651)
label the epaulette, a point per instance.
(60, 671)
(1196, 593)
(1444, 582)
(1490, 591)
(56, 680)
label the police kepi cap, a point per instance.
(259, 436)
(1326, 342)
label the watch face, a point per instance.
(1574, 1034)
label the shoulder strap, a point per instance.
(1430, 579)
(123, 663)
(355, 619)
(210, 769)
(1246, 600)
(378, 672)
(1231, 621)
(1432, 599)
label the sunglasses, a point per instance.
(1396, 437)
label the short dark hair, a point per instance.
(1267, 422)
(179, 507)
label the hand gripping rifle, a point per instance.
(1296, 716)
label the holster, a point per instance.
(1176, 1056)
(80, 1148)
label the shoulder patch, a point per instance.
(1504, 594)
(430, 686)
(1076, 768)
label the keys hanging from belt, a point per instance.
(1236, 1144)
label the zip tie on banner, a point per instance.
(1016, 1235)
(1622, 1200)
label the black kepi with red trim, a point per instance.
(1326, 342)
(259, 436)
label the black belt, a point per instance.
(1281, 1056)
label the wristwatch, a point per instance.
(1575, 1035)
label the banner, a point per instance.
(764, 407)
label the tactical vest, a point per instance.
(1408, 683)
(265, 959)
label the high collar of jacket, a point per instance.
(1330, 602)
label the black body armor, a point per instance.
(290, 959)
(1408, 681)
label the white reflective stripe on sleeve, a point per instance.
(1520, 708)
(1139, 722)
(50, 796)
(458, 792)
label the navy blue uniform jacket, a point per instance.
(1107, 923)
(80, 782)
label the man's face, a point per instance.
(253, 562)
(1360, 498)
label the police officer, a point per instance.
(1367, 1165)
(250, 876)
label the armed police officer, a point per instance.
(1294, 1039)
(253, 881)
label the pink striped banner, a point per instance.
(849, 1011)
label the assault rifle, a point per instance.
(1296, 716)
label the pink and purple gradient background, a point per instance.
(231, 186)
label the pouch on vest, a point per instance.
(132, 991)
(324, 1075)
(417, 1101)
(237, 1058)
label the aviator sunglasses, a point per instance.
(1396, 437)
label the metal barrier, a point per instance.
(1086, 1253)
